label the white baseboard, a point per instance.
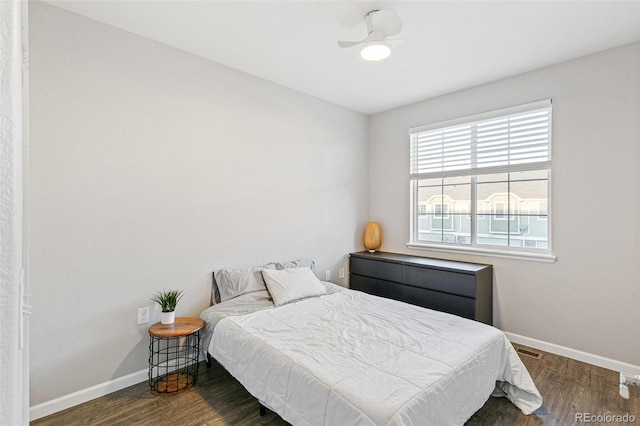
(84, 395)
(597, 360)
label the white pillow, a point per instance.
(287, 285)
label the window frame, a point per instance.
(537, 254)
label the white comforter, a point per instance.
(349, 358)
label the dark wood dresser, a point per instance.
(458, 288)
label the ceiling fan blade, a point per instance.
(343, 43)
(381, 24)
(368, 19)
(387, 21)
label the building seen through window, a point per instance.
(511, 210)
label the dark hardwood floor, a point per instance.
(568, 387)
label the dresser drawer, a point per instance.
(459, 288)
(376, 287)
(456, 305)
(371, 268)
(435, 279)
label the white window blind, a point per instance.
(509, 140)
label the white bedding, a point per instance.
(352, 358)
(246, 303)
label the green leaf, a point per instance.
(167, 299)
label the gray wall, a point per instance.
(151, 167)
(588, 300)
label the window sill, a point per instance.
(534, 257)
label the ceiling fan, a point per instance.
(381, 24)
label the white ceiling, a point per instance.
(444, 46)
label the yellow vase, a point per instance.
(372, 236)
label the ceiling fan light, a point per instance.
(375, 51)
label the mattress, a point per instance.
(352, 358)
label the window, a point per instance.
(441, 211)
(500, 211)
(485, 181)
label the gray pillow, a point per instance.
(299, 263)
(230, 283)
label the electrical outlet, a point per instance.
(327, 275)
(143, 315)
(341, 273)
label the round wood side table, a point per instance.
(174, 351)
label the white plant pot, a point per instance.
(167, 317)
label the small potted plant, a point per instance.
(167, 299)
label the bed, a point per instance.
(341, 356)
